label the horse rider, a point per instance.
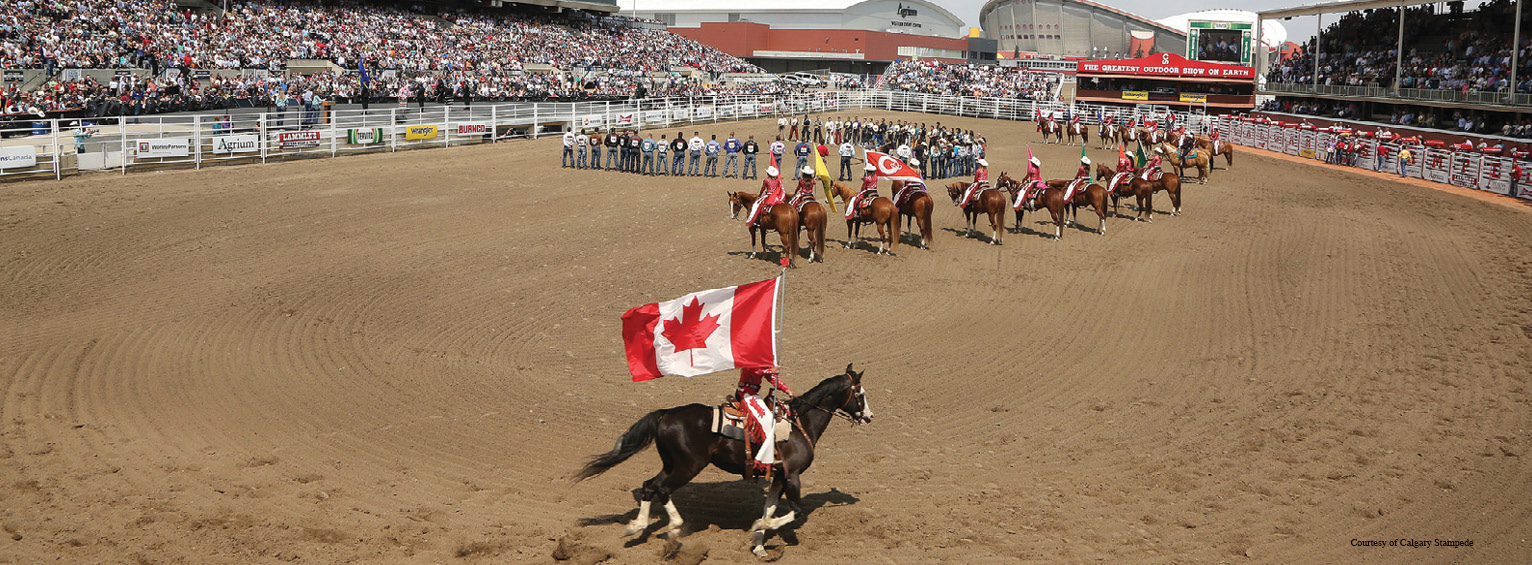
(747, 395)
(1152, 168)
(910, 186)
(980, 182)
(805, 190)
(770, 195)
(1188, 143)
(1124, 163)
(868, 192)
(1084, 171)
(1214, 139)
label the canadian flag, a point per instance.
(704, 332)
(891, 168)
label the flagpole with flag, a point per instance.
(823, 172)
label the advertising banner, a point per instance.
(1366, 151)
(726, 111)
(1290, 141)
(625, 119)
(1464, 169)
(746, 109)
(18, 157)
(1165, 65)
(654, 118)
(1135, 95)
(1495, 174)
(163, 147)
(1194, 98)
(364, 136)
(1306, 142)
(768, 108)
(472, 129)
(679, 114)
(297, 139)
(247, 143)
(592, 121)
(1521, 186)
(1435, 165)
(421, 132)
(702, 112)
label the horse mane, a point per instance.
(816, 396)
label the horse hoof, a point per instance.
(760, 551)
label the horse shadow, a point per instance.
(729, 505)
(979, 235)
(774, 256)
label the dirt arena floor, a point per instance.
(401, 358)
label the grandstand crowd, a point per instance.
(932, 77)
(438, 56)
(1450, 50)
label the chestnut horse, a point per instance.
(1115, 193)
(988, 201)
(1093, 195)
(1081, 130)
(881, 212)
(1109, 134)
(1144, 190)
(1224, 148)
(781, 218)
(915, 207)
(814, 219)
(686, 443)
(1050, 198)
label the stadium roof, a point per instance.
(648, 6)
(1103, 7)
(1334, 6)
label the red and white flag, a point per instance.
(891, 168)
(704, 332)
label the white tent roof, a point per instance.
(749, 6)
(1272, 32)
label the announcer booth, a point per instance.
(1168, 79)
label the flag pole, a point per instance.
(781, 304)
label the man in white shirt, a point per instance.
(569, 143)
(847, 150)
(694, 147)
(781, 125)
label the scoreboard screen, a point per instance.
(1220, 42)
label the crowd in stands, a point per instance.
(1466, 121)
(968, 79)
(458, 54)
(1444, 51)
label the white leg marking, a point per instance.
(639, 523)
(675, 517)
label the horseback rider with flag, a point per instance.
(1152, 169)
(980, 182)
(1084, 171)
(805, 191)
(747, 396)
(869, 190)
(1124, 162)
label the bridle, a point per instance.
(840, 412)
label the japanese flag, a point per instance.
(891, 168)
(704, 332)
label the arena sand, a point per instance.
(400, 358)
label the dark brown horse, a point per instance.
(1050, 128)
(1050, 198)
(684, 439)
(1078, 129)
(1143, 191)
(881, 212)
(1224, 148)
(916, 207)
(989, 201)
(780, 218)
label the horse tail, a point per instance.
(636, 439)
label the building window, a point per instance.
(733, 16)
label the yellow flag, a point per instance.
(824, 176)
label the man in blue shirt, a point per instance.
(731, 148)
(647, 147)
(802, 151)
(711, 149)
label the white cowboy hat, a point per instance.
(1084, 159)
(870, 167)
(914, 162)
(983, 163)
(1035, 161)
(771, 171)
(807, 170)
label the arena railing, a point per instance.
(1421, 94)
(175, 140)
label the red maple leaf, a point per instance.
(687, 335)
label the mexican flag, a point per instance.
(704, 332)
(1139, 158)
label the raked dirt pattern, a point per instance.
(401, 358)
